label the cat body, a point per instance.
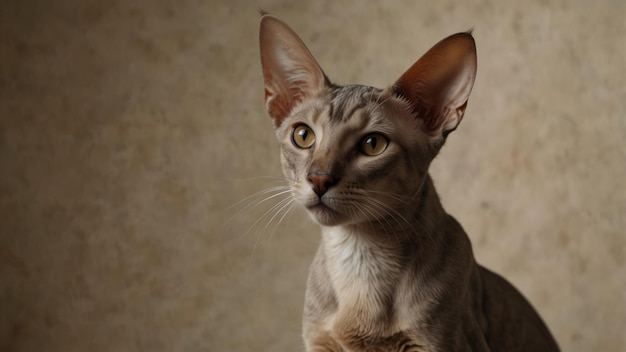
(394, 271)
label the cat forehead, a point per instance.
(352, 108)
(344, 101)
(344, 106)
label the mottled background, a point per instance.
(129, 130)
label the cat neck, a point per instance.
(366, 262)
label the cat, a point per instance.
(394, 271)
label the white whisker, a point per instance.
(276, 178)
(291, 205)
(273, 208)
(262, 210)
(267, 190)
(250, 206)
(286, 202)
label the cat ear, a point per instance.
(438, 85)
(290, 72)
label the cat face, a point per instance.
(354, 153)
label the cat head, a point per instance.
(355, 153)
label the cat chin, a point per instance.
(326, 216)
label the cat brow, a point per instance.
(346, 100)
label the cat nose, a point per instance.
(321, 182)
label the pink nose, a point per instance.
(321, 182)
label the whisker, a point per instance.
(358, 206)
(263, 191)
(381, 103)
(378, 215)
(273, 208)
(292, 204)
(397, 216)
(388, 211)
(250, 206)
(286, 202)
(276, 178)
(405, 200)
(400, 197)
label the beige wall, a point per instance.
(128, 128)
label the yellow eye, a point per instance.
(374, 144)
(303, 136)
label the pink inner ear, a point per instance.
(422, 102)
(278, 106)
(438, 85)
(291, 73)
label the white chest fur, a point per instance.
(362, 272)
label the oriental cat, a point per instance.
(394, 271)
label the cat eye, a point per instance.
(303, 136)
(374, 144)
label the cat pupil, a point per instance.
(304, 134)
(372, 142)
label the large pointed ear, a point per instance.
(438, 85)
(290, 72)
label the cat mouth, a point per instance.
(319, 206)
(324, 215)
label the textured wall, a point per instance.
(128, 129)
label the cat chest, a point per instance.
(369, 315)
(336, 342)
